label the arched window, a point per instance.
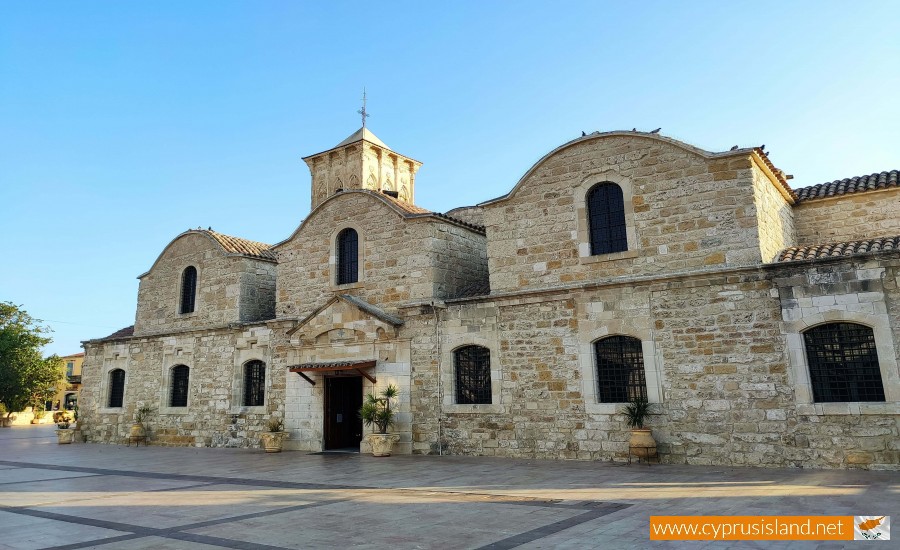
(188, 289)
(347, 257)
(178, 396)
(606, 219)
(116, 388)
(620, 369)
(843, 363)
(473, 375)
(254, 384)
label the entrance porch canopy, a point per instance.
(358, 366)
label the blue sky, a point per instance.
(123, 124)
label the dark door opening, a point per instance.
(343, 398)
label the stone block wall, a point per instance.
(460, 259)
(684, 211)
(257, 287)
(852, 217)
(774, 216)
(856, 291)
(214, 415)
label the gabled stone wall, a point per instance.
(230, 288)
(684, 212)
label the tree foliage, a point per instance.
(26, 377)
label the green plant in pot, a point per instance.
(636, 413)
(138, 430)
(64, 435)
(273, 439)
(377, 411)
(38, 409)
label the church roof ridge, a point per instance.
(238, 245)
(847, 186)
(363, 134)
(838, 249)
(757, 151)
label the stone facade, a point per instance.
(704, 284)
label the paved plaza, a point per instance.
(115, 497)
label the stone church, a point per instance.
(763, 321)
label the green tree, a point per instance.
(25, 375)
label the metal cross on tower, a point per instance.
(362, 111)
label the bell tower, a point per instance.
(362, 161)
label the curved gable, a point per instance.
(400, 209)
(597, 136)
(200, 237)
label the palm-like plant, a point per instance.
(377, 409)
(636, 412)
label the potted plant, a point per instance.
(38, 414)
(273, 440)
(138, 431)
(642, 444)
(377, 411)
(64, 435)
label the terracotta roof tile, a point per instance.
(832, 250)
(846, 186)
(244, 247)
(121, 333)
(418, 210)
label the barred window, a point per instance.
(347, 257)
(116, 388)
(178, 396)
(620, 369)
(188, 289)
(843, 363)
(254, 384)
(606, 219)
(473, 375)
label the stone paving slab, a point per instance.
(111, 497)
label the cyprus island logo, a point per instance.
(871, 527)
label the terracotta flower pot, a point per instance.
(137, 430)
(642, 443)
(65, 436)
(273, 442)
(383, 444)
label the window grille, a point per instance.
(188, 289)
(473, 375)
(347, 257)
(179, 394)
(254, 384)
(116, 388)
(606, 219)
(620, 369)
(843, 363)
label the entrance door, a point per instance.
(343, 398)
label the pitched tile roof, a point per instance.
(859, 184)
(419, 211)
(244, 247)
(832, 250)
(121, 333)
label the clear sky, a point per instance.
(123, 124)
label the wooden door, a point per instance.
(343, 398)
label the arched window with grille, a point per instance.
(116, 388)
(178, 394)
(620, 369)
(843, 363)
(473, 375)
(254, 384)
(606, 219)
(188, 289)
(347, 257)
